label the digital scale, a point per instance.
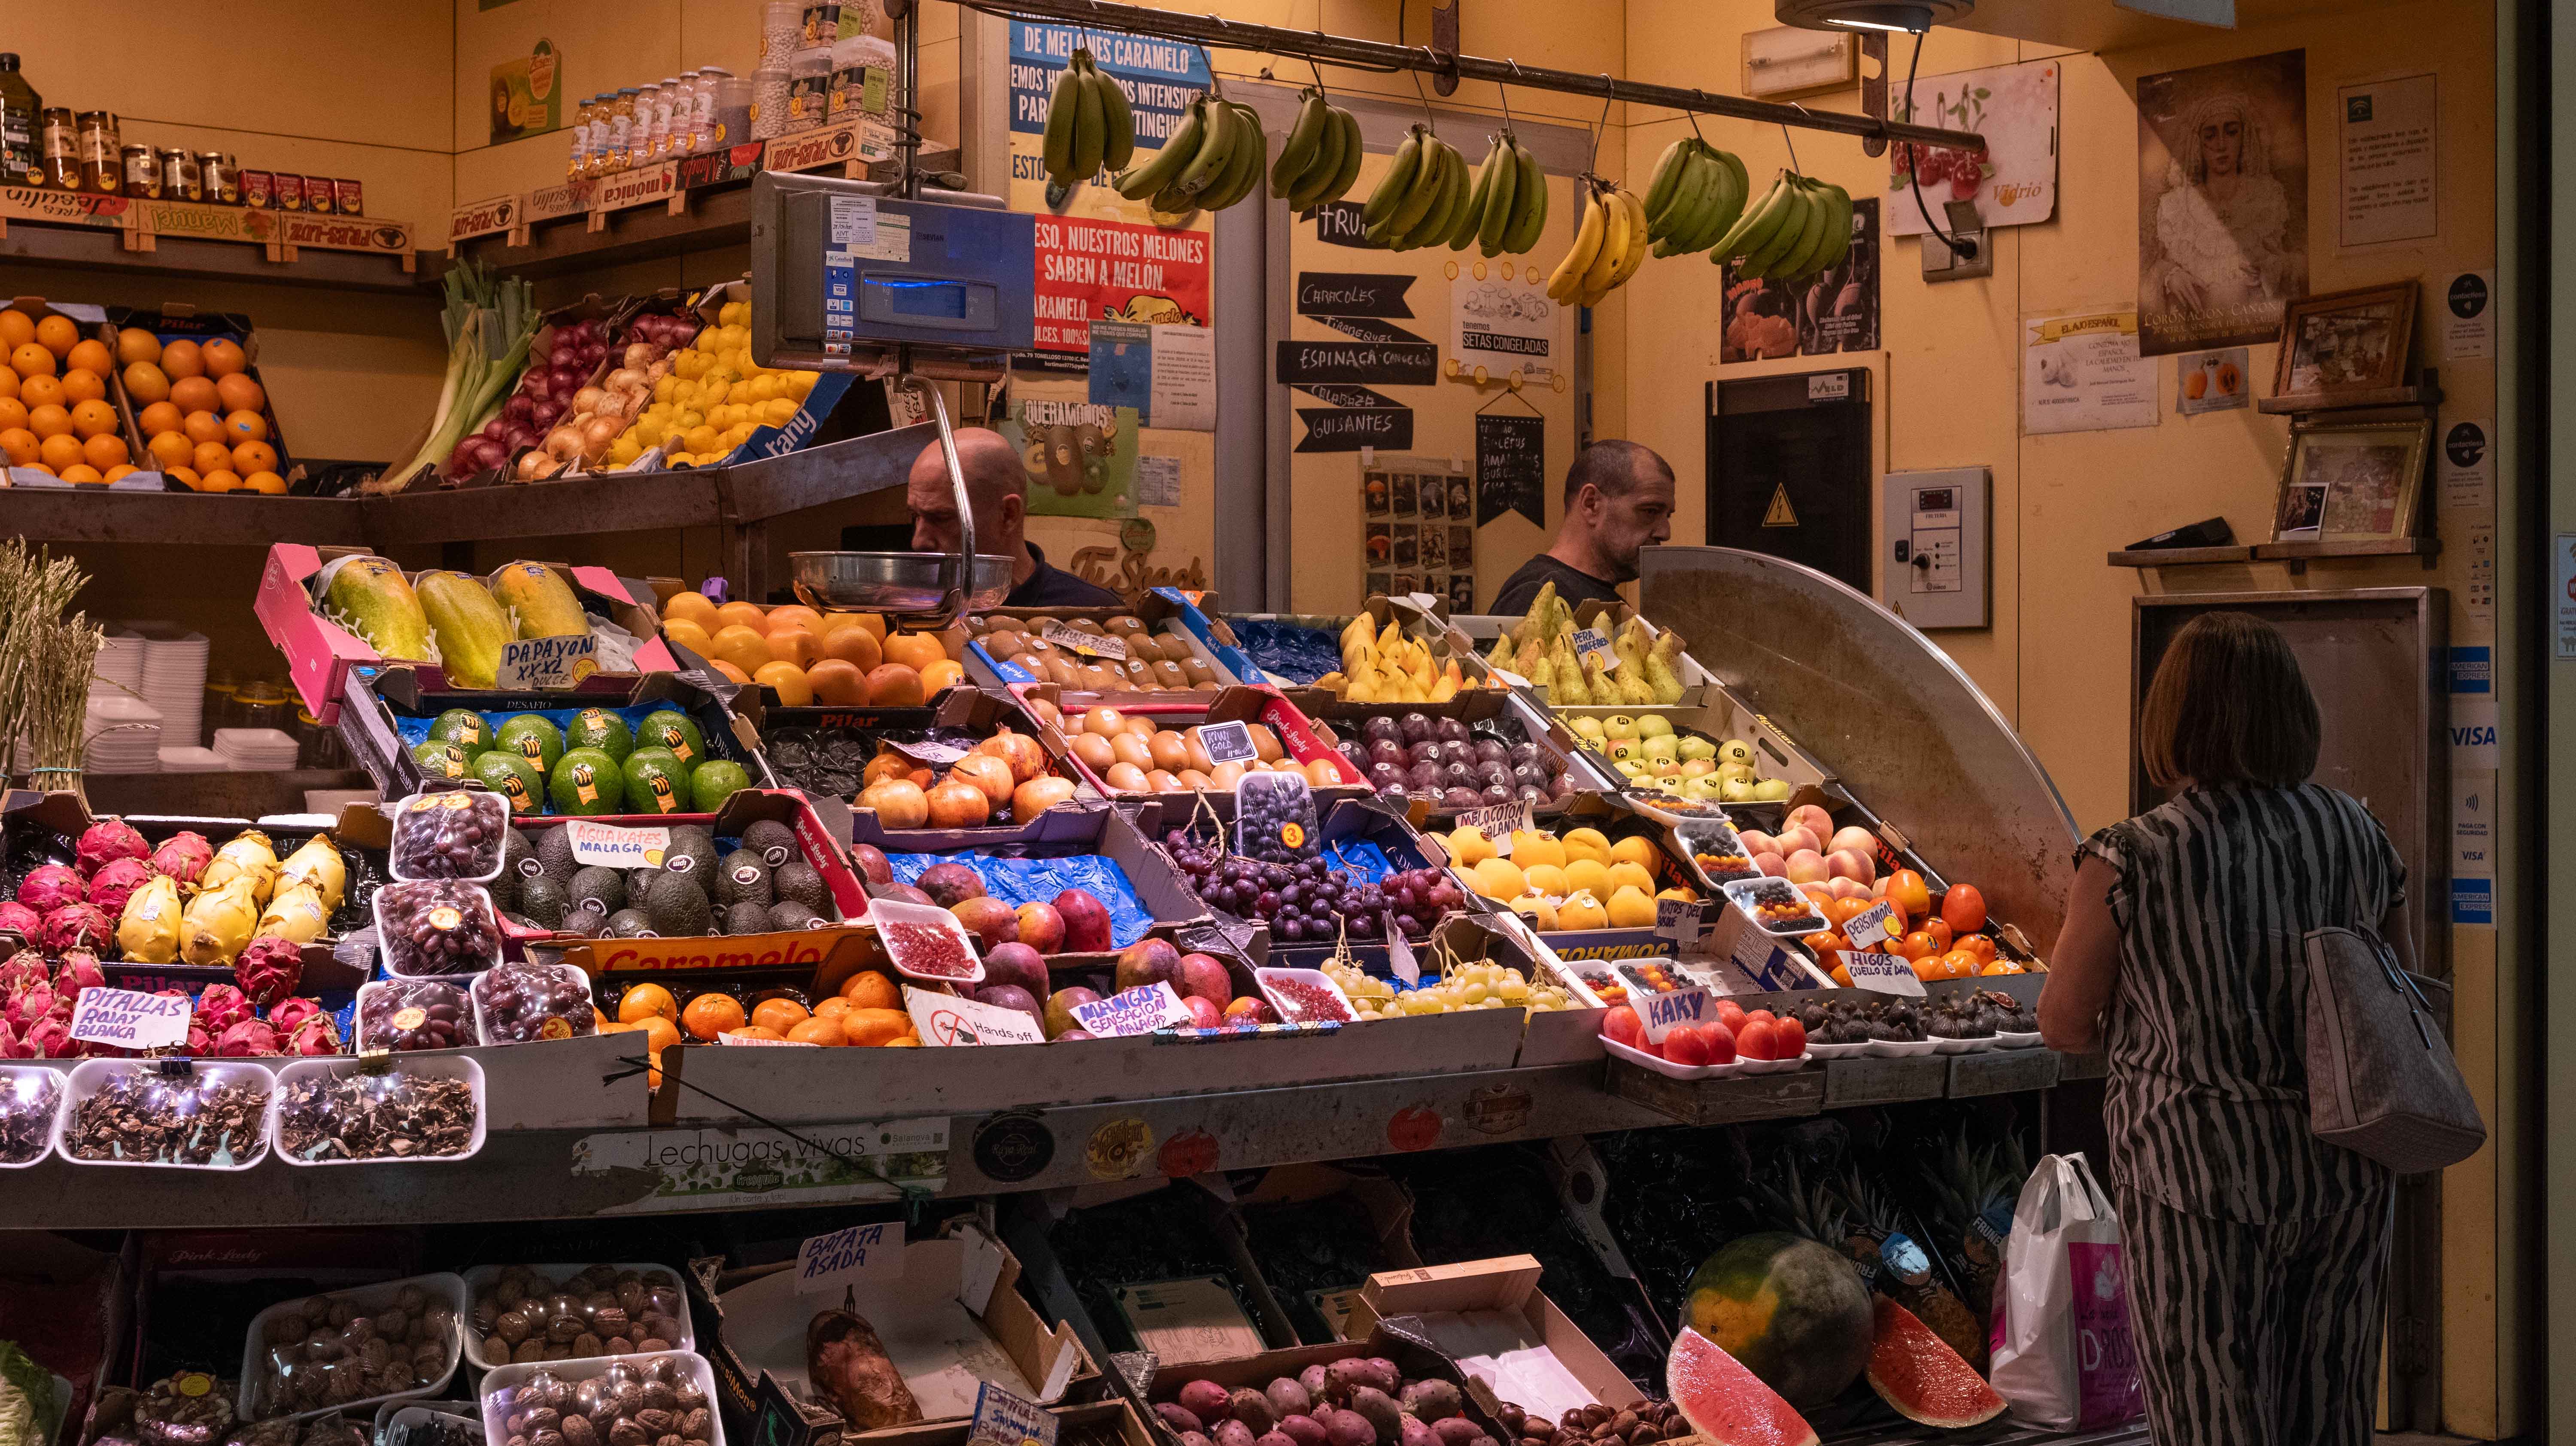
(853, 276)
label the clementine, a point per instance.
(820, 1031)
(782, 1015)
(869, 989)
(647, 1001)
(711, 1014)
(863, 1026)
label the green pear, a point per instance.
(1697, 767)
(1734, 773)
(1654, 725)
(1771, 790)
(1587, 728)
(1697, 747)
(1620, 725)
(1662, 745)
(1735, 750)
(1736, 790)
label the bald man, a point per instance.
(997, 486)
(1618, 500)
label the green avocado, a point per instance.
(463, 727)
(512, 777)
(533, 738)
(598, 728)
(716, 780)
(438, 759)
(656, 782)
(587, 781)
(670, 728)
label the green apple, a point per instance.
(1697, 767)
(1772, 790)
(1587, 728)
(1654, 725)
(1660, 746)
(1736, 790)
(1620, 725)
(1693, 746)
(1735, 750)
(1672, 786)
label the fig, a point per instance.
(1380, 1411)
(1176, 1417)
(1206, 1400)
(1195, 1438)
(1253, 1409)
(1303, 1429)
(1287, 1398)
(1232, 1433)
(1432, 1400)
(1455, 1431)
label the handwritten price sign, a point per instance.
(1666, 1012)
(547, 662)
(130, 1020)
(827, 1263)
(1884, 973)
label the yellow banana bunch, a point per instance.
(1213, 159)
(1608, 247)
(1321, 156)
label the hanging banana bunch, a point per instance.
(1802, 227)
(1213, 159)
(1508, 208)
(1321, 156)
(1418, 200)
(1088, 126)
(1697, 193)
(1608, 247)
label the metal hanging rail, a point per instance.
(1344, 50)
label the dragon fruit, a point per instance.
(247, 855)
(49, 1038)
(107, 840)
(28, 1004)
(269, 969)
(220, 1007)
(247, 1037)
(20, 971)
(296, 913)
(50, 886)
(286, 1014)
(219, 921)
(115, 882)
(77, 926)
(20, 919)
(78, 971)
(319, 867)
(182, 858)
(9, 1046)
(315, 1035)
(149, 928)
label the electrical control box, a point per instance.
(1935, 570)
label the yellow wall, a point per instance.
(2057, 658)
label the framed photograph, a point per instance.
(2362, 482)
(1406, 494)
(1376, 492)
(1381, 544)
(2346, 341)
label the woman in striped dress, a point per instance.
(2257, 1254)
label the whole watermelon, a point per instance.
(1794, 1312)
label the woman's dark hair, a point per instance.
(2229, 705)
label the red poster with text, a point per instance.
(1093, 270)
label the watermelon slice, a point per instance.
(1727, 1403)
(1917, 1372)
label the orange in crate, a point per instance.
(711, 1014)
(104, 451)
(59, 450)
(869, 989)
(782, 1015)
(822, 1031)
(82, 385)
(56, 334)
(89, 356)
(93, 418)
(875, 1026)
(646, 1001)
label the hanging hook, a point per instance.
(1609, 93)
(1785, 139)
(1505, 93)
(1430, 122)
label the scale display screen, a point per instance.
(945, 299)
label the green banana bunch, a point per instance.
(1089, 124)
(1509, 203)
(1213, 159)
(1697, 193)
(1802, 227)
(1423, 198)
(1321, 156)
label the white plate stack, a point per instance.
(120, 662)
(174, 681)
(256, 750)
(122, 734)
(193, 760)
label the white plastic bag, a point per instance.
(2060, 1343)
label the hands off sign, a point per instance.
(547, 662)
(827, 1263)
(129, 1020)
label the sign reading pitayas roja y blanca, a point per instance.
(130, 1020)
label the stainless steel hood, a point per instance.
(1906, 731)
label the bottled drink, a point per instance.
(21, 126)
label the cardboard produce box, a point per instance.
(178, 321)
(320, 653)
(814, 748)
(952, 1318)
(1507, 1338)
(1292, 1205)
(1479, 631)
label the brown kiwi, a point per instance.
(1060, 671)
(1169, 674)
(1199, 673)
(1120, 627)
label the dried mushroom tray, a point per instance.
(187, 1114)
(375, 1111)
(347, 1349)
(30, 1096)
(634, 1288)
(610, 1401)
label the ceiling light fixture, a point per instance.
(1911, 17)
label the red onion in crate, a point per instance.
(522, 407)
(546, 414)
(514, 436)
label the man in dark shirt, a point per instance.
(997, 486)
(1618, 499)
